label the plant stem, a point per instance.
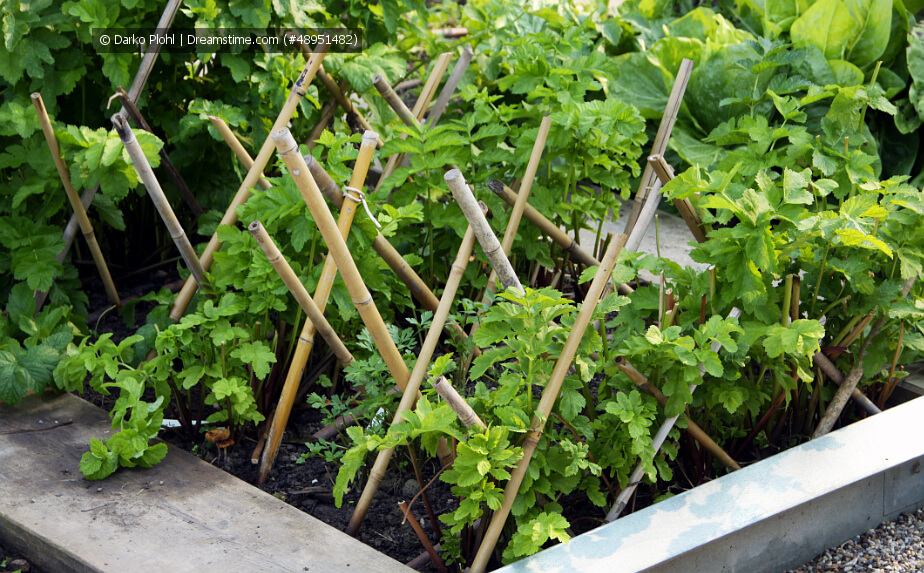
(821, 269)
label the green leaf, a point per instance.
(256, 354)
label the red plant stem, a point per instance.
(761, 423)
(434, 556)
(423, 492)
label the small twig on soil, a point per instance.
(412, 519)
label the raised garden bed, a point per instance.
(488, 353)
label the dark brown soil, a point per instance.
(291, 477)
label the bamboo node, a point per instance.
(282, 136)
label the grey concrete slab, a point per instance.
(769, 516)
(181, 515)
(672, 234)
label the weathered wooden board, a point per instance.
(182, 515)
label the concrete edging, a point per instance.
(773, 515)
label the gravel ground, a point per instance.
(894, 547)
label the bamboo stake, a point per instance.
(659, 146)
(464, 412)
(544, 409)
(513, 223)
(237, 148)
(433, 82)
(693, 429)
(394, 102)
(442, 102)
(295, 286)
(85, 226)
(833, 373)
(486, 238)
(288, 151)
(346, 104)
(636, 477)
(327, 114)
(837, 403)
(167, 164)
(686, 209)
(298, 91)
(134, 92)
(160, 200)
(408, 399)
(550, 229)
(305, 343)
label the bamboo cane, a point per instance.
(134, 92)
(693, 429)
(298, 91)
(837, 403)
(305, 342)
(368, 312)
(464, 412)
(833, 373)
(550, 229)
(327, 114)
(516, 214)
(442, 102)
(85, 226)
(687, 212)
(165, 161)
(377, 473)
(433, 82)
(636, 477)
(237, 148)
(160, 200)
(346, 104)
(486, 238)
(295, 286)
(549, 396)
(659, 146)
(392, 99)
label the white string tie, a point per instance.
(360, 197)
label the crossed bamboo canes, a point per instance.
(412, 118)
(315, 315)
(332, 192)
(134, 92)
(362, 299)
(322, 293)
(85, 226)
(417, 375)
(549, 395)
(298, 91)
(580, 255)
